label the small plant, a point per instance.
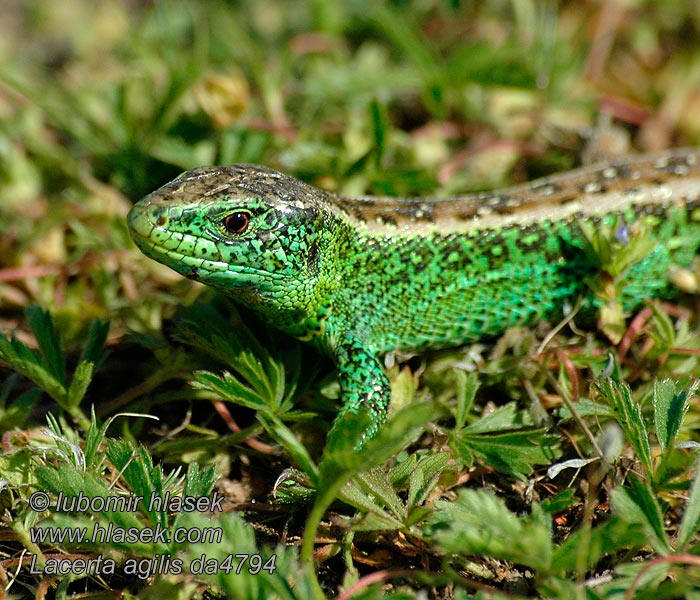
(47, 368)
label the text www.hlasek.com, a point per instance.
(120, 535)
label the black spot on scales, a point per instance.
(416, 209)
(270, 219)
(387, 220)
(548, 185)
(312, 260)
(567, 199)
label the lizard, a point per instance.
(357, 277)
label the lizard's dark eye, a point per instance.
(237, 222)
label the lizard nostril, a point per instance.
(161, 220)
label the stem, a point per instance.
(323, 501)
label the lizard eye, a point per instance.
(237, 222)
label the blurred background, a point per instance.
(101, 102)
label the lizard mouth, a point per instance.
(197, 267)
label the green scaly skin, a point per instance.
(357, 277)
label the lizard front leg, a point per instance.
(365, 394)
(364, 387)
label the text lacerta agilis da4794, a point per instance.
(358, 277)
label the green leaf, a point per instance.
(94, 436)
(674, 468)
(23, 360)
(584, 408)
(79, 384)
(143, 478)
(400, 473)
(380, 125)
(505, 440)
(424, 477)
(294, 487)
(647, 577)
(403, 389)
(341, 458)
(466, 388)
(401, 429)
(586, 547)
(230, 341)
(636, 504)
(94, 350)
(503, 418)
(372, 496)
(670, 406)
(690, 523)
(17, 468)
(377, 484)
(483, 63)
(479, 523)
(629, 416)
(67, 442)
(376, 519)
(48, 369)
(228, 388)
(14, 415)
(49, 342)
(560, 502)
(286, 438)
(198, 481)
(613, 256)
(363, 500)
(663, 332)
(375, 493)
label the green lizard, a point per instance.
(358, 277)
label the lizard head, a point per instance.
(248, 230)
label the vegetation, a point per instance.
(535, 465)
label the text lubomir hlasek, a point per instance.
(157, 502)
